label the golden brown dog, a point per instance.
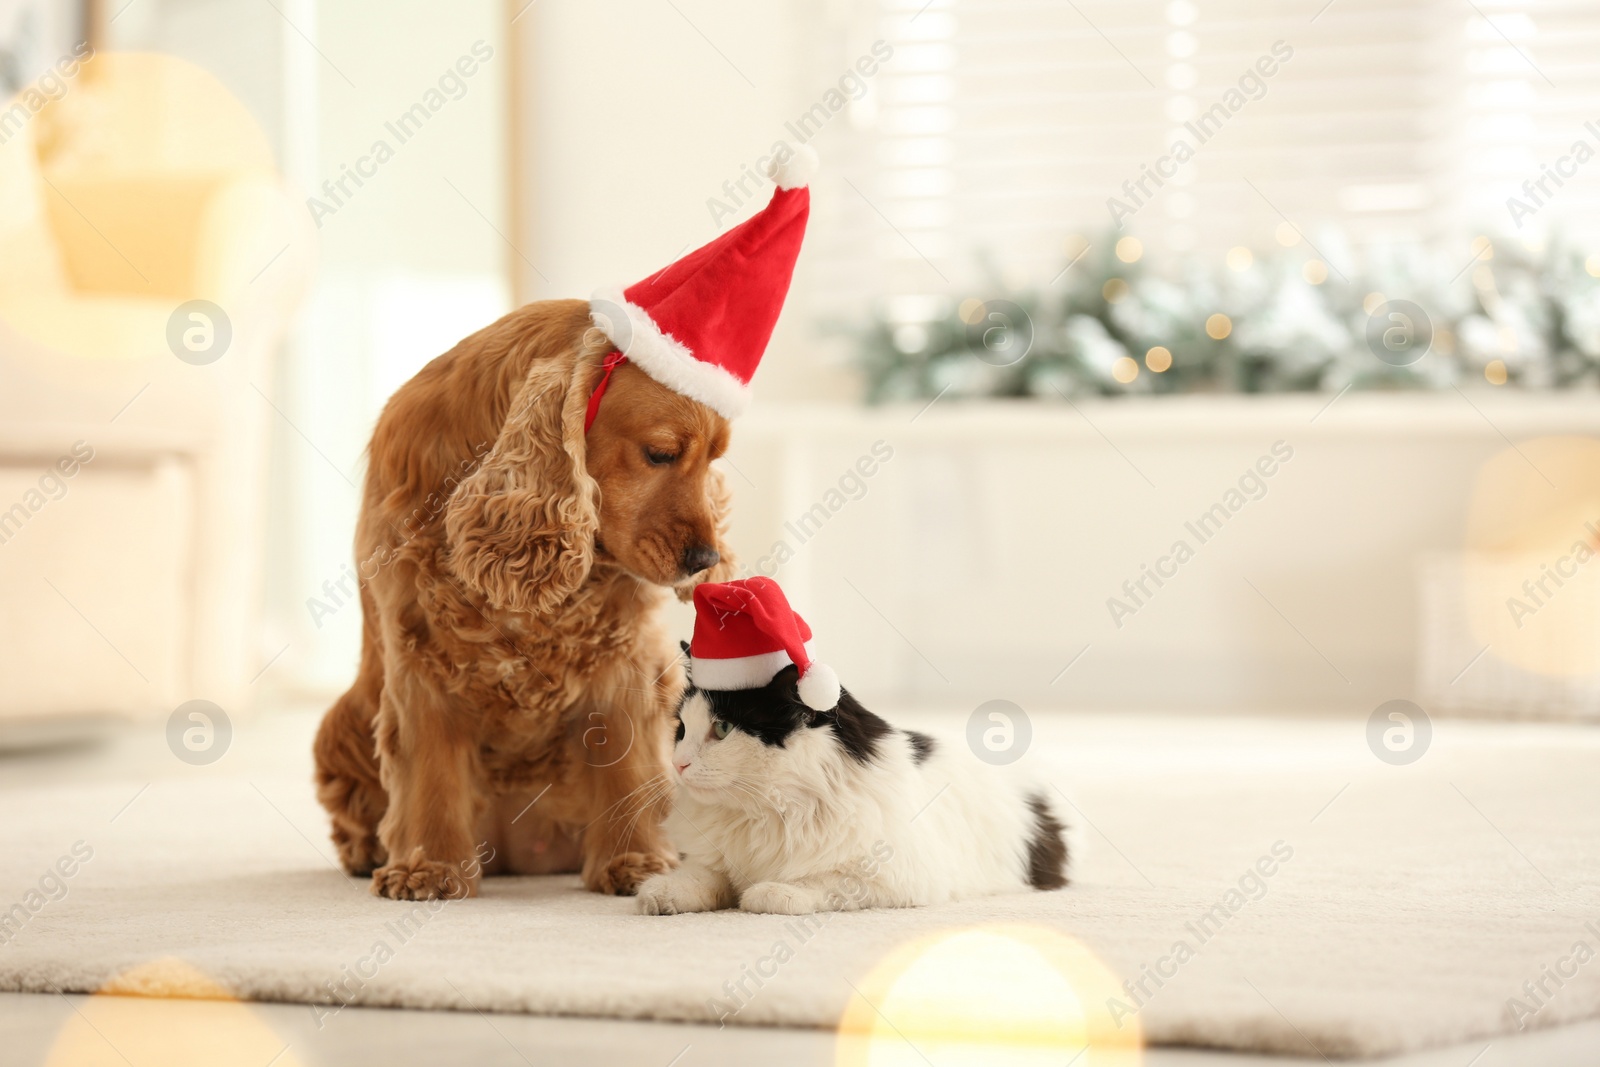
(515, 688)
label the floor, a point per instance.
(55, 1030)
(30, 1025)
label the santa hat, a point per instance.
(701, 326)
(745, 632)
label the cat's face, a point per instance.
(752, 747)
(737, 747)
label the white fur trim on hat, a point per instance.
(797, 171)
(666, 359)
(819, 687)
(745, 672)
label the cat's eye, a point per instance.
(680, 729)
(721, 727)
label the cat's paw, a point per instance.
(672, 894)
(779, 898)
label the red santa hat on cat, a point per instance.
(745, 632)
(701, 326)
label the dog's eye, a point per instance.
(658, 458)
(721, 727)
(680, 729)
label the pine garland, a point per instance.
(1283, 324)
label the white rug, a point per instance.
(1417, 902)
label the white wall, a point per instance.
(641, 112)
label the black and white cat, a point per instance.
(782, 808)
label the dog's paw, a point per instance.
(419, 878)
(778, 898)
(623, 874)
(359, 853)
(667, 894)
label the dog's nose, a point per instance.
(697, 558)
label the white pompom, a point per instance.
(819, 687)
(796, 171)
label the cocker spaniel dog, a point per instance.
(515, 687)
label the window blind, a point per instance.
(1002, 134)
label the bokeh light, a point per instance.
(994, 996)
(169, 1013)
(1531, 581)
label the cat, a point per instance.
(787, 810)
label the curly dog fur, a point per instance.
(515, 687)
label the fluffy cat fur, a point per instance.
(794, 811)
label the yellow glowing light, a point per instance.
(1495, 372)
(1125, 369)
(1372, 302)
(1114, 290)
(971, 311)
(1076, 245)
(1158, 359)
(1529, 578)
(1240, 258)
(1218, 326)
(1129, 249)
(1287, 235)
(132, 1020)
(995, 996)
(1314, 271)
(1592, 265)
(1482, 247)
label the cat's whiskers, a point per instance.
(663, 788)
(629, 795)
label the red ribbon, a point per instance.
(610, 364)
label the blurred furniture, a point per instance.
(135, 584)
(977, 563)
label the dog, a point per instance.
(516, 689)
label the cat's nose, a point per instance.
(681, 767)
(697, 558)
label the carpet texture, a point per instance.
(1416, 903)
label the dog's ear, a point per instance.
(721, 501)
(685, 646)
(522, 526)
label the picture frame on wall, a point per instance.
(36, 33)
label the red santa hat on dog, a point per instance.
(701, 326)
(745, 632)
